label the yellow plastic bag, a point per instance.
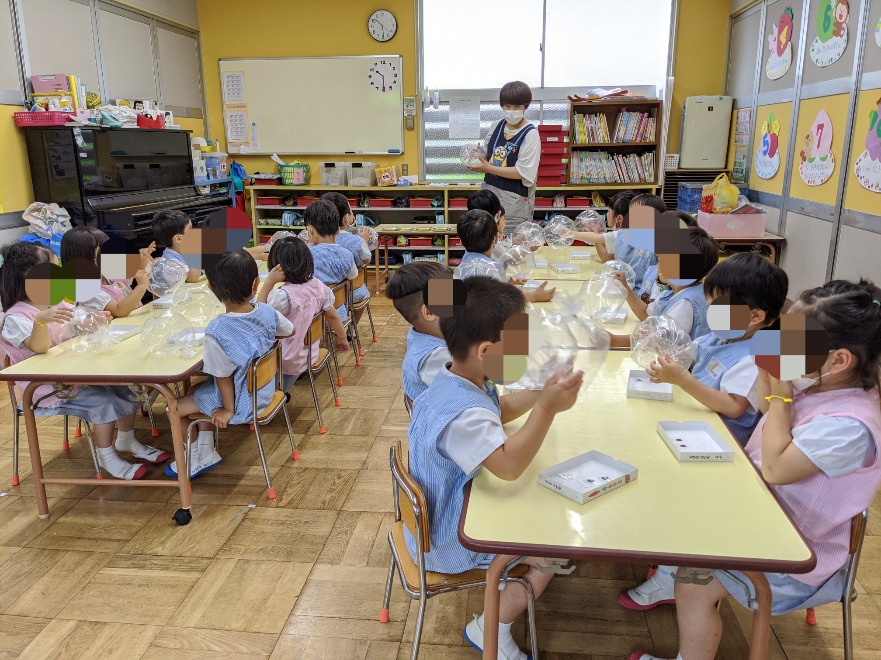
(386, 176)
(722, 193)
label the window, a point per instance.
(127, 51)
(10, 84)
(179, 72)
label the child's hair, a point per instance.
(340, 202)
(231, 277)
(709, 252)
(752, 278)
(295, 259)
(406, 284)
(323, 216)
(619, 203)
(485, 200)
(647, 199)
(81, 243)
(515, 93)
(168, 224)
(18, 258)
(477, 229)
(685, 218)
(488, 305)
(850, 313)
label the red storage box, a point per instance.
(380, 203)
(554, 148)
(577, 201)
(552, 169)
(306, 201)
(551, 138)
(420, 203)
(269, 201)
(545, 202)
(455, 242)
(549, 182)
(420, 242)
(353, 202)
(458, 203)
(550, 128)
(41, 118)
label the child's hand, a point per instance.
(142, 277)
(666, 370)
(342, 345)
(618, 275)
(275, 275)
(541, 294)
(108, 316)
(55, 315)
(560, 392)
(483, 166)
(220, 417)
(364, 233)
(147, 252)
(518, 280)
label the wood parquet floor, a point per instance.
(301, 577)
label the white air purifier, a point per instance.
(703, 141)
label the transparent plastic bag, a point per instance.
(472, 154)
(166, 276)
(89, 330)
(372, 236)
(304, 236)
(529, 234)
(168, 334)
(518, 261)
(279, 236)
(661, 335)
(589, 220)
(614, 266)
(198, 304)
(480, 267)
(559, 232)
(604, 296)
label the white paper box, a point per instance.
(640, 386)
(541, 263)
(120, 332)
(580, 254)
(565, 268)
(619, 318)
(531, 285)
(165, 302)
(587, 477)
(695, 442)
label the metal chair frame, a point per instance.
(362, 304)
(316, 369)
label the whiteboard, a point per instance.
(313, 105)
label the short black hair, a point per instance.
(323, 216)
(231, 277)
(168, 224)
(647, 199)
(620, 202)
(477, 229)
(295, 259)
(406, 284)
(515, 93)
(485, 200)
(340, 202)
(18, 258)
(488, 305)
(703, 263)
(81, 243)
(851, 316)
(754, 279)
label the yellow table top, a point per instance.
(707, 515)
(574, 286)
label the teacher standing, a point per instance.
(513, 148)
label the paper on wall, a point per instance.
(255, 137)
(237, 126)
(234, 87)
(464, 117)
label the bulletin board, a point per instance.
(314, 105)
(777, 22)
(843, 67)
(857, 196)
(836, 107)
(783, 113)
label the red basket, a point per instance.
(416, 203)
(23, 119)
(458, 203)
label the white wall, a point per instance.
(806, 252)
(858, 252)
(739, 4)
(182, 11)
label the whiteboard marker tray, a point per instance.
(587, 477)
(695, 442)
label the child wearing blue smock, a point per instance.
(354, 243)
(333, 263)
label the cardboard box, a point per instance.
(695, 442)
(565, 268)
(48, 84)
(639, 386)
(587, 477)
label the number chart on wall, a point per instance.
(314, 105)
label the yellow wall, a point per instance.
(15, 175)
(299, 28)
(857, 197)
(837, 107)
(701, 49)
(783, 113)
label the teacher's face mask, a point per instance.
(513, 117)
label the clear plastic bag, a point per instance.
(198, 304)
(518, 261)
(279, 236)
(529, 234)
(472, 154)
(304, 236)
(168, 334)
(559, 232)
(372, 236)
(661, 335)
(604, 296)
(589, 220)
(166, 275)
(616, 266)
(479, 267)
(89, 329)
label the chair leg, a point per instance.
(848, 627)
(65, 443)
(189, 448)
(359, 352)
(147, 409)
(295, 453)
(270, 491)
(811, 616)
(78, 432)
(321, 428)
(530, 617)
(420, 619)
(336, 395)
(383, 615)
(94, 453)
(15, 480)
(372, 327)
(332, 346)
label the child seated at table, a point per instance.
(487, 200)
(354, 243)
(115, 296)
(817, 448)
(652, 286)
(479, 234)
(333, 263)
(299, 299)
(169, 228)
(232, 340)
(457, 429)
(684, 303)
(29, 331)
(426, 349)
(724, 377)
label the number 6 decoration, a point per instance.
(831, 41)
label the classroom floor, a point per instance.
(109, 575)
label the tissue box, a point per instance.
(587, 477)
(639, 386)
(695, 442)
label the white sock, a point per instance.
(126, 441)
(506, 639)
(112, 462)
(204, 442)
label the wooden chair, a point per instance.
(17, 412)
(342, 295)
(362, 304)
(319, 362)
(417, 582)
(262, 371)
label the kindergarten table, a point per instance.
(712, 515)
(125, 363)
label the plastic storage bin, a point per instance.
(333, 174)
(361, 175)
(294, 174)
(733, 225)
(689, 196)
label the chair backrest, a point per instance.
(340, 293)
(12, 396)
(858, 531)
(413, 511)
(315, 329)
(361, 278)
(408, 405)
(265, 368)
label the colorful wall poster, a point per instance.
(867, 167)
(878, 33)
(831, 41)
(817, 161)
(780, 46)
(767, 160)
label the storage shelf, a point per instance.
(414, 247)
(281, 227)
(281, 207)
(594, 145)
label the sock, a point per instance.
(126, 441)
(204, 443)
(112, 462)
(506, 639)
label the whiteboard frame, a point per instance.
(249, 152)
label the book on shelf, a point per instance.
(591, 129)
(603, 167)
(634, 127)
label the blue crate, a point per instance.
(689, 197)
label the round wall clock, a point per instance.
(383, 76)
(382, 25)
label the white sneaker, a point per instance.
(508, 649)
(201, 463)
(657, 590)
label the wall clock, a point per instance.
(382, 25)
(383, 76)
